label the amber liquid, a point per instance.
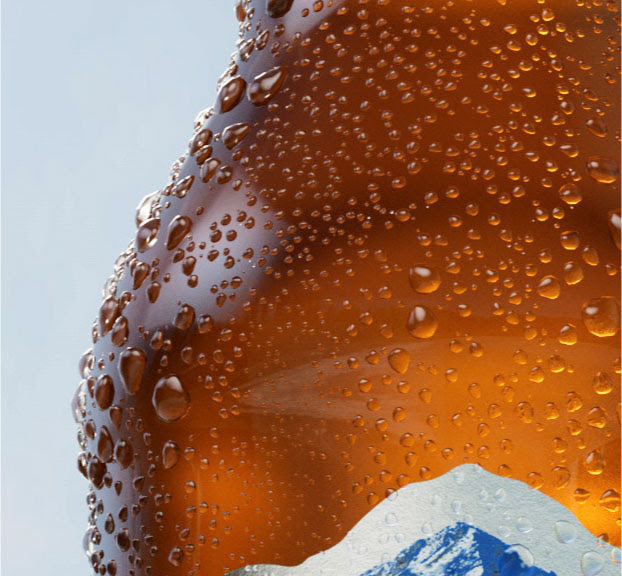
(394, 253)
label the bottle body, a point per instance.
(391, 248)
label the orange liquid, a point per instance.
(394, 253)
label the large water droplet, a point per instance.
(170, 399)
(278, 8)
(264, 86)
(104, 392)
(424, 279)
(177, 230)
(108, 312)
(230, 94)
(549, 287)
(603, 170)
(601, 316)
(592, 564)
(422, 323)
(234, 134)
(131, 366)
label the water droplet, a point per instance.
(602, 383)
(565, 532)
(399, 360)
(147, 233)
(176, 555)
(597, 127)
(422, 323)
(524, 525)
(601, 316)
(278, 8)
(143, 210)
(108, 312)
(573, 273)
(424, 279)
(594, 463)
(568, 335)
(104, 445)
(177, 230)
(515, 560)
(230, 94)
(170, 399)
(131, 366)
(597, 417)
(614, 226)
(592, 564)
(170, 455)
(610, 500)
(124, 453)
(549, 287)
(264, 86)
(234, 134)
(570, 194)
(603, 170)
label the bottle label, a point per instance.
(466, 523)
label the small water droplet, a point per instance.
(614, 226)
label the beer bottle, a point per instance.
(371, 323)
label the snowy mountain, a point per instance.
(466, 523)
(460, 550)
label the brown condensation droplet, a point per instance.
(108, 312)
(399, 360)
(131, 367)
(601, 316)
(177, 230)
(104, 445)
(603, 170)
(104, 392)
(424, 279)
(170, 455)
(549, 288)
(230, 94)
(147, 234)
(124, 453)
(278, 8)
(184, 317)
(614, 226)
(264, 86)
(234, 134)
(422, 323)
(170, 399)
(96, 470)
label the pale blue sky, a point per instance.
(98, 100)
